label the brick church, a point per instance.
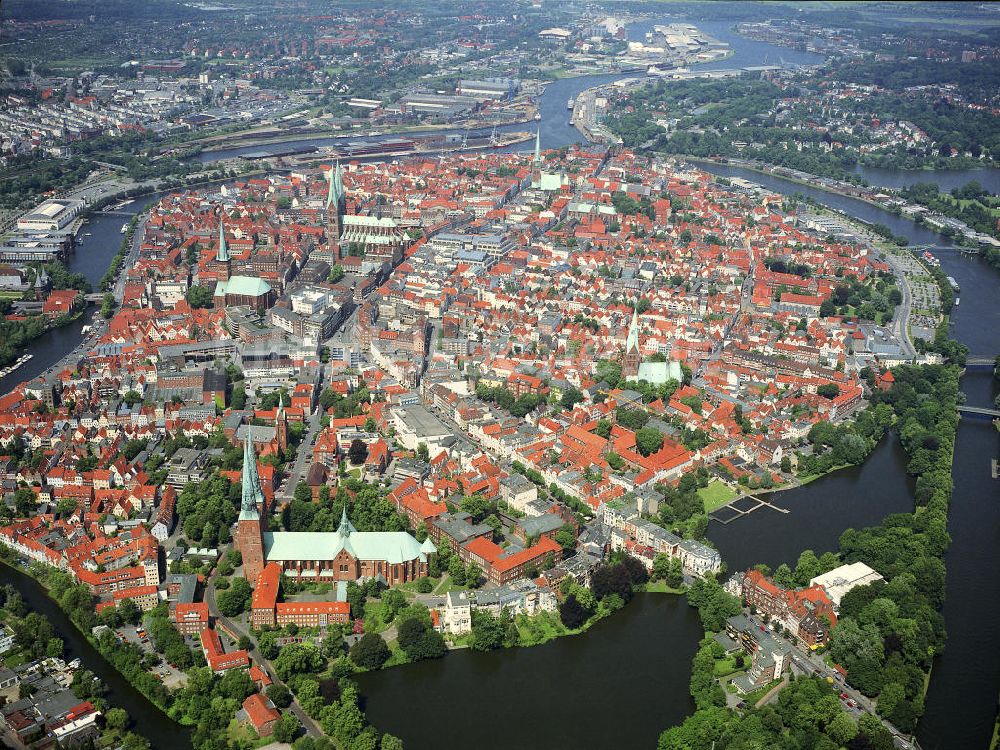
(342, 555)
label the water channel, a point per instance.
(635, 666)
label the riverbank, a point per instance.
(149, 719)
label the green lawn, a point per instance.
(715, 495)
(661, 587)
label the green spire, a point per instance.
(335, 186)
(346, 528)
(538, 146)
(252, 493)
(632, 342)
(223, 255)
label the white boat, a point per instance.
(570, 103)
(17, 363)
(85, 330)
(124, 228)
(538, 116)
(86, 234)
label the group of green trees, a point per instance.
(502, 396)
(367, 506)
(970, 203)
(869, 301)
(847, 443)
(612, 587)
(807, 714)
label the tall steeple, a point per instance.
(223, 254)
(346, 528)
(281, 426)
(340, 181)
(252, 493)
(632, 342)
(538, 146)
(632, 359)
(332, 194)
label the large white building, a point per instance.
(50, 216)
(840, 580)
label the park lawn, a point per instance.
(243, 736)
(661, 587)
(715, 495)
(752, 698)
(446, 585)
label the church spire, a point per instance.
(331, 188)
(632, 342)
(223, 255)
(538, 146)
(346, 528)
(252, 494)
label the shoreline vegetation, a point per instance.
(904, 610)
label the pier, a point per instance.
(756, 503)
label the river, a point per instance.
(148, 720)
(626, 680)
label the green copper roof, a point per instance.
(538, 146)
(248, 286)
(392, 546)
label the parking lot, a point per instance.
(168, 675)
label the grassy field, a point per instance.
(715, 495)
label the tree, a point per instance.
(286, 727)
(370, 652)
(25, 502)
(570, 398)
(391, 742)
(488, 632)
(236, 599)
(675, 574)
(200, 296)
(648, 440)
(456, 569)
(419, 640)
(280, 695)
(298, 658)
(116, 719)
(129, 612)
(828, 390)
(473, 574)
(358, 452)
(572, 613)
(661, 565)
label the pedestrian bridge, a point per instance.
(979, 364)
(977, 412)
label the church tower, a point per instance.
(222, 257)
(249, 534)
(630, 365)
(334, 204)
(281, 426)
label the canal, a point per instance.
(148, 720)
